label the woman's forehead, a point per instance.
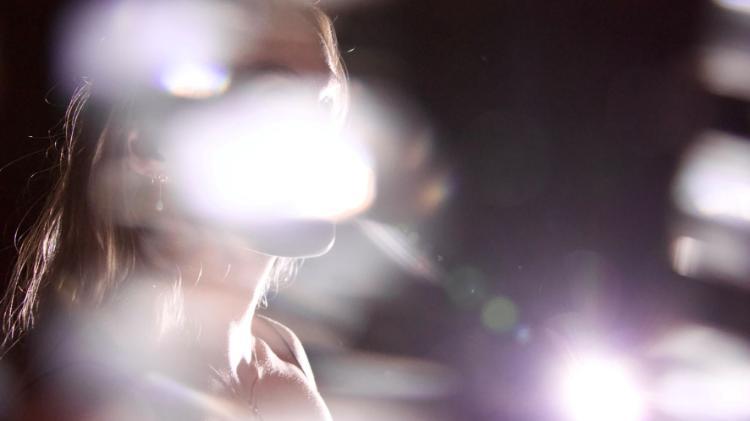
(283, 37)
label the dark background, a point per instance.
(562, 123)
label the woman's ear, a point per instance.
(142, 156)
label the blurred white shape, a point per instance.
(712, 254)
(686, 252)
(596, 387)
(195, 80)
(271, 151)
(125, 43)
(708, 375)
(714, 179)
(742, 6)
(726, 69)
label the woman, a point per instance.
(141, 306)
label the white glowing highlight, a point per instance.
(714, 180)
(195, 80)
(596, 388)
(168, 45)
(271, 152)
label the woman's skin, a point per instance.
(222, 280)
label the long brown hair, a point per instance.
(85, 253)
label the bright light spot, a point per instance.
(194, 80)
(714, 180)
(596, 388)
(267, 153)
(500, 314)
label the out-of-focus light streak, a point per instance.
(394, 244)
(596, 387)
(742, 6)
(714, 179)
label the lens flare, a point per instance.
(500, 314)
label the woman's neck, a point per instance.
(221, 284)
(220, 308)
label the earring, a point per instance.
(161, 179)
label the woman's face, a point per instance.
(281, 46)
(255, 39)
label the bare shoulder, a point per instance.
(287, 387)
(284, 343)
